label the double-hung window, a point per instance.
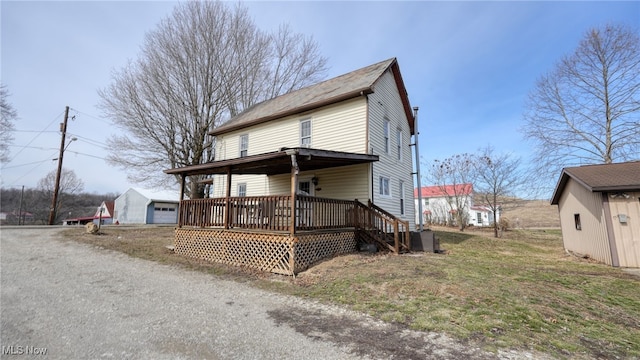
(386, 131)
(242, 189)
(399, 143)
(305, 133)
(384, 186)
(244, 145)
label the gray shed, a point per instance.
(145, 206)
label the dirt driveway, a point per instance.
(75, 301)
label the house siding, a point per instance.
(327, 133)
(627, 235)
(345, 183)
(592, 239)
(385, 103)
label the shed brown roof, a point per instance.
(356, 83)
(600, 178)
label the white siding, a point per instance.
(346, 183)
(130, 208)
(591, 239)
(340, 127)
(385, 103)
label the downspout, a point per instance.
(417, 156)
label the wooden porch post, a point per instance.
(227, 207)
(294, 185)
(182, 183)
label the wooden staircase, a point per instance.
(375, 225)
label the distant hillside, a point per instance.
(532, 213)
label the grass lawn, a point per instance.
(521, 291)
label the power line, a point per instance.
(33, 147)
(31, 163)
(90, 141)
(93, 117)
(38, 163)
(83, 154)
(35, 137)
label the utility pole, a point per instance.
(63, 129)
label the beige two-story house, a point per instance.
(295, 163)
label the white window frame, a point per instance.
(243, 145)
(383, 184)
(399, 141)
(304, 137)
(386, 133)
(242, 189)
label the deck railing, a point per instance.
(274, 213)
(267, 213)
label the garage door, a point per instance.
(165, 213)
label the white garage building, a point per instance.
(145, 206)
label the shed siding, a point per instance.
(129, 208)
(385, 103)
(592, 240)
(627, 235)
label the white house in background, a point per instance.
(104, 213)
(439, 205)
(145, 206)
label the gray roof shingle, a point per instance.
(355, 83)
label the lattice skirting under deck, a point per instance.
(274, 252)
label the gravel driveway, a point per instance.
(75, 301)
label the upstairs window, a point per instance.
(305, 133)
(244, 145)
(399, 143)
(386, 132)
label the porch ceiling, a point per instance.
(277, 162)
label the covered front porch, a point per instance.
(284, 233)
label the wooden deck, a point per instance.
(283, 234)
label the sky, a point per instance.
(468, 66)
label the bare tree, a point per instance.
(7, 116)
(587, 110)
(498, 178)
(202, 65)
(70, 184)
(454, 177)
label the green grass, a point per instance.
(521, 291)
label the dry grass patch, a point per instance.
(521, 291)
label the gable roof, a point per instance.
(108, 211)
(158, 195)
(600, 178)
(445, 190)
(344, 87)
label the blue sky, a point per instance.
(468, 66)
